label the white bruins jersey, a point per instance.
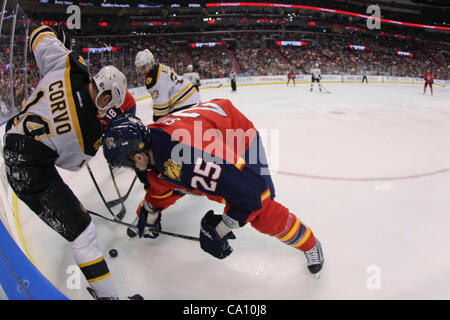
(169, 91)
(315, 72)
(193, 77)
(59, 113)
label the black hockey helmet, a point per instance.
(124, 137)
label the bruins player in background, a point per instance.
(58, 127)
(170, 92)
(192, 76)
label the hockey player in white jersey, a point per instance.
(316, 76)
(58, 127)
(170, 92)
(192, 76)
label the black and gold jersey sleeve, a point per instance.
(152, 77)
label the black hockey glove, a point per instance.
(209, 238)
(143, 227)
(63, 34)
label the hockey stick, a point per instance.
(115, 202)
(121, 213)
(117, 190)
(130, 225)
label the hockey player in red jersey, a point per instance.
(428, 77)
(179, 158)
(291, 76)
(129, 104)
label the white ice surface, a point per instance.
(366, 167)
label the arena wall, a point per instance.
(19, 278)
(142, 93)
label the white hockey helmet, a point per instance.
(144, 57)
(110, 78)
(189, 68)
(316, 65)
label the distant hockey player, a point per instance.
(233, 78)
(291, 76)
(58, 127)
(230, 169)
(428, 77)
(170, 92)
(364, 74)
(192, 76)
(315, 77)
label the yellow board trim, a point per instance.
(72, 107)
(15, 209)
(293, 230)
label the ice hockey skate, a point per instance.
(315, 260)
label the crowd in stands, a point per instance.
(249, 54)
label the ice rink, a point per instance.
(367, 167)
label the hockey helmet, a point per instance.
(144, 57)
(189, 68)
(110, 78)
(124, 137)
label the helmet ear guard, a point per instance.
(124, 137)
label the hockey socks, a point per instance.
(297, 235)
(92, 263)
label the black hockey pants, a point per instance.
(33, 177)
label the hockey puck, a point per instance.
(113, 253)
(131, 233)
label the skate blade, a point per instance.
(315, 275)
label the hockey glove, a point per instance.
(210, 240)
(143, 227)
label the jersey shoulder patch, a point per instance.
(152, 77)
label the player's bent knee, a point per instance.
(270, 219)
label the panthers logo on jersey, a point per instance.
(109, 142)
(173, 170)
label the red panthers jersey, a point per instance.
(128, 103)
(210, 149)
(428, 77)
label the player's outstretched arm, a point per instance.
(48, 51)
